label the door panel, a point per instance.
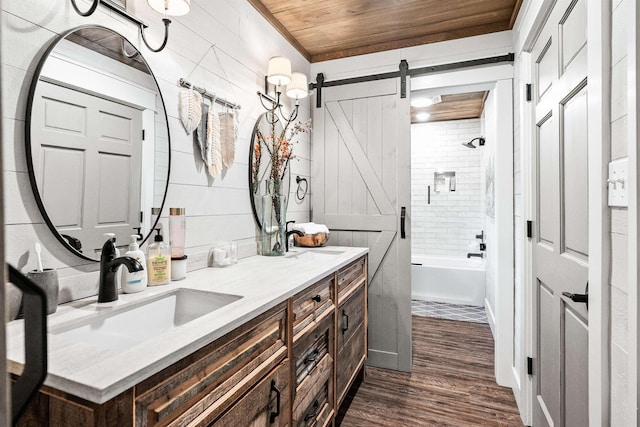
(547, 181)
(575, 176)
(361, 152)
(560, 250)
(89, 163)
(549, 367)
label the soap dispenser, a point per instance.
(159, 261)
(136, 281)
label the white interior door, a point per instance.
(361, 170)
(87, 164)
(560, 245)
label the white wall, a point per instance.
(452, 220)
(217, 209)
(621, 406)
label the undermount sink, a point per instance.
(126, 327)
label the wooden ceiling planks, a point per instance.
(453, 107)
(330, 29)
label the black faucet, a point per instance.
(108, 290)
(289, 233)
(475, 255)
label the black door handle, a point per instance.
(583, 298)
(580, 298)
(275, 414)
(317, 298)
(346, 323)
(35, 342)
(403, 218)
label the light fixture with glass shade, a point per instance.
(165, 7)
(279, 74)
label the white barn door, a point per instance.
(361, 169)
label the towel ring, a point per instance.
(306, 187)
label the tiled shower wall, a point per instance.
(450, 222)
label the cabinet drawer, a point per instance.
(267, 404)
(214, 377)
(311, 305)
(311, 349)
(350, 277)
(313, 403)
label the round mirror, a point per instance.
(261, 164)
(97, 141)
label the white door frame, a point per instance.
(599, 76)
(633, 120)
(500, 76)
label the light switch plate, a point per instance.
(617, 183)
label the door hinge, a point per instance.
(141, 216)
(529, 365)
(143, 134)
(529, 229)
(528, 88)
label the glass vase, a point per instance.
(273, 219)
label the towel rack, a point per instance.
(209, 95)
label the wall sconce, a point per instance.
(166, 7)
(279, 74)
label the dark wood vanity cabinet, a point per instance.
(290, 366)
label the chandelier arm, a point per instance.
(166, 36)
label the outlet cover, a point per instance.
(617, 183)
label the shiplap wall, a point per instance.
(621, 406)
(450, 223)
(217, 209)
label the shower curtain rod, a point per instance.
(403, 73)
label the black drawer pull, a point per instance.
(345, 328)
(312, 357)
(314, 413)
(317, 298)
(275, 414)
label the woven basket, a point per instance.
(311, 240)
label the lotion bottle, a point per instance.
(159, 262)
(137, 281)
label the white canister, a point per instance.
(179, 268)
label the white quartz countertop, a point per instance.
(98, 375)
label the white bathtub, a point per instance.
(448, 279)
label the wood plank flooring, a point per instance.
(452, 383)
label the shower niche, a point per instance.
(444, 182)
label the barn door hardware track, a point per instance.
(403, 72)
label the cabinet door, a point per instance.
(266, 405)
(350, 347)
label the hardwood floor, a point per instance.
(452, 383)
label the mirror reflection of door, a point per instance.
(97, 140)
(87, 163)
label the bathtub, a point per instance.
(448, 279)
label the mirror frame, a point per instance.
(27, 128)
(252, 197)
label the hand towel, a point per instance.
(190, 106)
(214, 155)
